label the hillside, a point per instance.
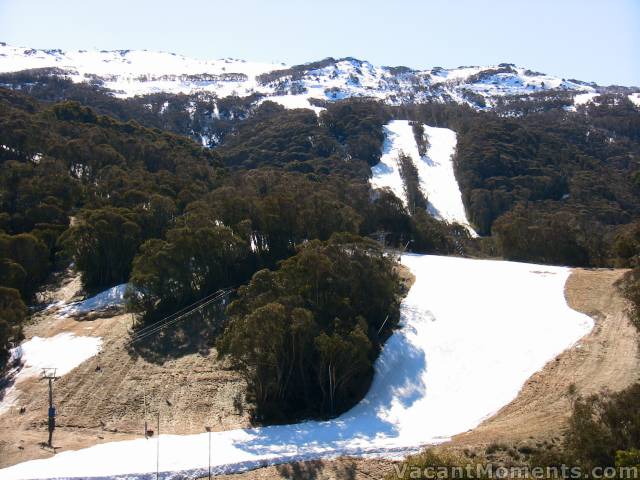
(433, 330)
(316, 261)
(139, 72)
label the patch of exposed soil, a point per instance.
(103, 399)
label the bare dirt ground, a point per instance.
(340, 469)
(102, 400)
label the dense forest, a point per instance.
(120, 182)
(126, 202)
(552, 186)
(306, 335)
(126, 191)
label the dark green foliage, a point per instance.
(24, 262)
(12, 314)
(502, 162)
(345, 141)
(420, 137)
(190, 263)
(535, 102)
(102, 244)
(411, 180)
(548, 238)
(294, 73)
(602, 425)
(630, 287)
(305, 336)
(203, 116)
(57, 159)
(628, 458)
(357, 125)
(581, 166)
(275, 211)
(254, 221)
(278, 137)
(431, 236)
(389, 214)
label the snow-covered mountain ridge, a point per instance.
(138, 72)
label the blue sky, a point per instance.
(589, 40)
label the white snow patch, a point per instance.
(513, 319)
(109, 299)
(294, 101)
(64, 352)
(635, 99)
(138, 72)
(584, 98)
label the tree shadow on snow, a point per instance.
(397, 383)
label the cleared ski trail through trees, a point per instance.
(435, 169)
(472, 332)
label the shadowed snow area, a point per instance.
(435, 169)
(471, 334)
(109, 299)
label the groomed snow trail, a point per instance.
(435, 169)
(472, 332)
(398, 137)
(438, 179)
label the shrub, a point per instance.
(602, 425)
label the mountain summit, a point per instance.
(128, 73)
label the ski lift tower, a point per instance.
(50, 375)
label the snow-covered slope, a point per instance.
(64, 351)
(136, 72)
(635, 99)
(435, 169)
(398, 138)
(437, 177)
(450, 365)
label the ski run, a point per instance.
(435, 169)
(425, 387)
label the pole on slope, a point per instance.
(158, 451)
(208, 429)
(50, 375)
(146, 427)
